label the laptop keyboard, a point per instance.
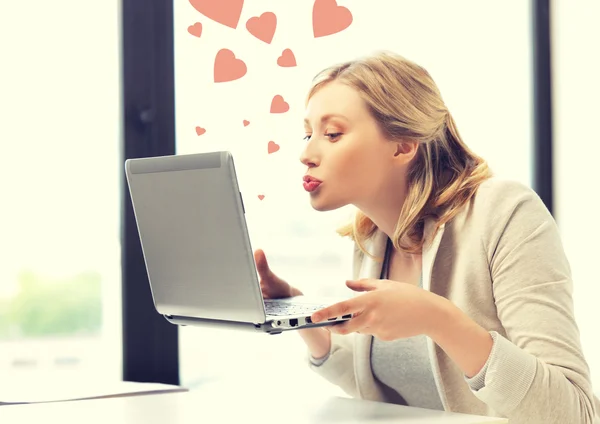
(277, 308)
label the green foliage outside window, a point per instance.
(70, 306)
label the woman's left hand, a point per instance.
(390, 310)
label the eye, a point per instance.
(333, 136)
(307, 137)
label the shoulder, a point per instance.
(500, 192)
(498, 197)
(502, 205)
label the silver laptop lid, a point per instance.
(194, 237)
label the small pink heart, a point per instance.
(228, 67)
(287, 59)
(272, 147)
(246, 123)
(278, 105)
(263, 26)
(200, 130)
(261, 196)
(196, 29)
(329, 18)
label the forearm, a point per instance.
(318, 341)
(467, 343)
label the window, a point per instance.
(576, 153)
(59, 234)
(478, 54)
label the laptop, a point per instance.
(200, 264)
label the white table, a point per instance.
(227, 404)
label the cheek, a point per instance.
(347, 165)
(359, 166)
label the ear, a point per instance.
(405, 150)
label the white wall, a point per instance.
(576, 90)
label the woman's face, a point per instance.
(345, 151)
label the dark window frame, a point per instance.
(543, 174)
(150, 343)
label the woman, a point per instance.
(468, 303)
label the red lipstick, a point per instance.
(311, 183)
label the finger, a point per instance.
(337, 310)
(262, 266)
(358, 324)
(366, 284)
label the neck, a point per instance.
(384, 209)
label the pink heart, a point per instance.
(278, 105)
(200, 130)
(226, 12)
(196, 29)
(246, 123)
(272, 147)
(329, 18)
(261, 196)
(263, 26)
(228, 67)
(287, 59)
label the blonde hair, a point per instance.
(407, 104)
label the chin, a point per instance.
(322, 204)
(321, 207)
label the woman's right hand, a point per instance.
(318, 340)
(271, 285)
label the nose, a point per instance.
(309, 155)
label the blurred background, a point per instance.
(84, 85)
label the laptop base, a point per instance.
(275, 325)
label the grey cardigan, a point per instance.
(502, 262)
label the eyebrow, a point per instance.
(327, 117)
